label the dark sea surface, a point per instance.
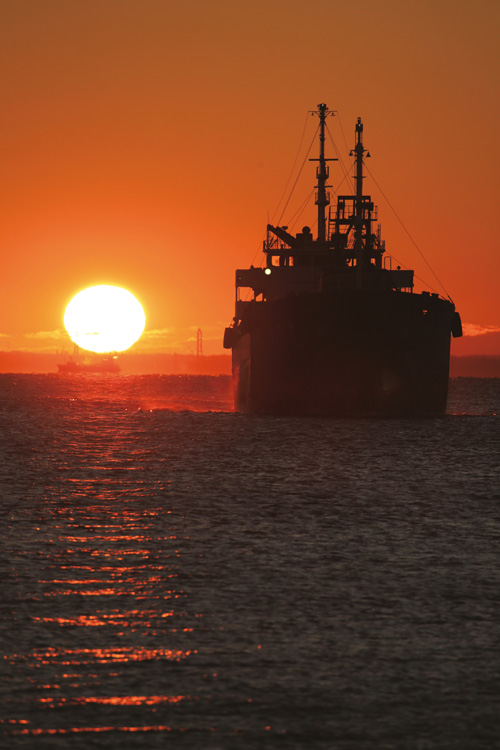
(177, 575)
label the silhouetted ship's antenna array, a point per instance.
(331, 328)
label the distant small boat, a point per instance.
(75, 366)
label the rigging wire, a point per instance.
(348, 151)
(259, 249)
(298, 213)
(409, 235)
(402, 265)
(346, 176)
(344, 168)
(293, 166)
(289, 178)
(297, 178)
(294, 184)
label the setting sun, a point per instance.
(104, 319)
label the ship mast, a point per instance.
(322, 173)
(359, 150)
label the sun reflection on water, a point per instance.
(124, 700)
(98, 655)
(104, 570)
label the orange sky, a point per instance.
(144, 144)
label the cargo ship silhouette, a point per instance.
(331, 328)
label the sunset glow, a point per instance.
(121, 165)
(104, 319)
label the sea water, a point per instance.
(174, 574)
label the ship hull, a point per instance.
(351, 353)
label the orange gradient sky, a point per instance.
(145, 144)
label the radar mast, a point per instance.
(322, 173)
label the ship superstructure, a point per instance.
(330, 326)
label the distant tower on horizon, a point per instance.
(199, 343)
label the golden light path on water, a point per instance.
(104, 319)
